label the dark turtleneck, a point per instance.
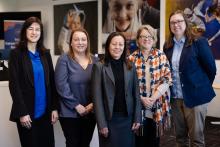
(118, 72)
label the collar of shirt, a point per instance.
(34, 55)
(180, 42)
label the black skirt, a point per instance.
(120, 132)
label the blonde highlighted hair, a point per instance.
(150, 30)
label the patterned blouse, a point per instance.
(159, 74)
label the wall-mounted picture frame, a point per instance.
(71, 16)
(10, 25)
(202, 18)
(15, 18)
(127, 16)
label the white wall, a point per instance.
(213, 108)
(6, 5)
(8, 135)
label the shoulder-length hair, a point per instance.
(150, 30)
(108, 56)
(188, 33)
(22, 44)
(87, 52)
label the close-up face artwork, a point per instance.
(122, 12)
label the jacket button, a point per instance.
(182, 85)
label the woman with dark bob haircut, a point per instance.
(32, 87)
(116, 95)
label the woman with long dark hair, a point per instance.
(116, 95)
(32, 87)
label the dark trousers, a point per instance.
(149, 138)
(40, 135)
(78, 131)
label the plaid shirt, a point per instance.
(160, 73)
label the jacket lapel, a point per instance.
(109, 72)
(183, 56)
(126, 77)
(169, 54)
(45, 68)
(27, 65)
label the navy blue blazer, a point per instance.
(197, 72)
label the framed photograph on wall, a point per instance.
(10, 26)
(204, 21)
(202, 17)
(127, 16)
(71, 16)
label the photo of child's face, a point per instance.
(73, 16)
(74, 20)
(76, 23)
(122, 12)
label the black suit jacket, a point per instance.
(21, 84)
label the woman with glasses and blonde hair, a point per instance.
(154, 78)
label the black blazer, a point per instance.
(21, 84)
(103, 91)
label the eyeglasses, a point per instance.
(146, 37)
(178, 22)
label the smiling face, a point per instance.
(76, 24)
(177, 25)
(145, 40)
(122, 12)
(116, 47)
(79, 42)
(33, 33)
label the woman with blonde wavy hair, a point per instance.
(154, 78)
